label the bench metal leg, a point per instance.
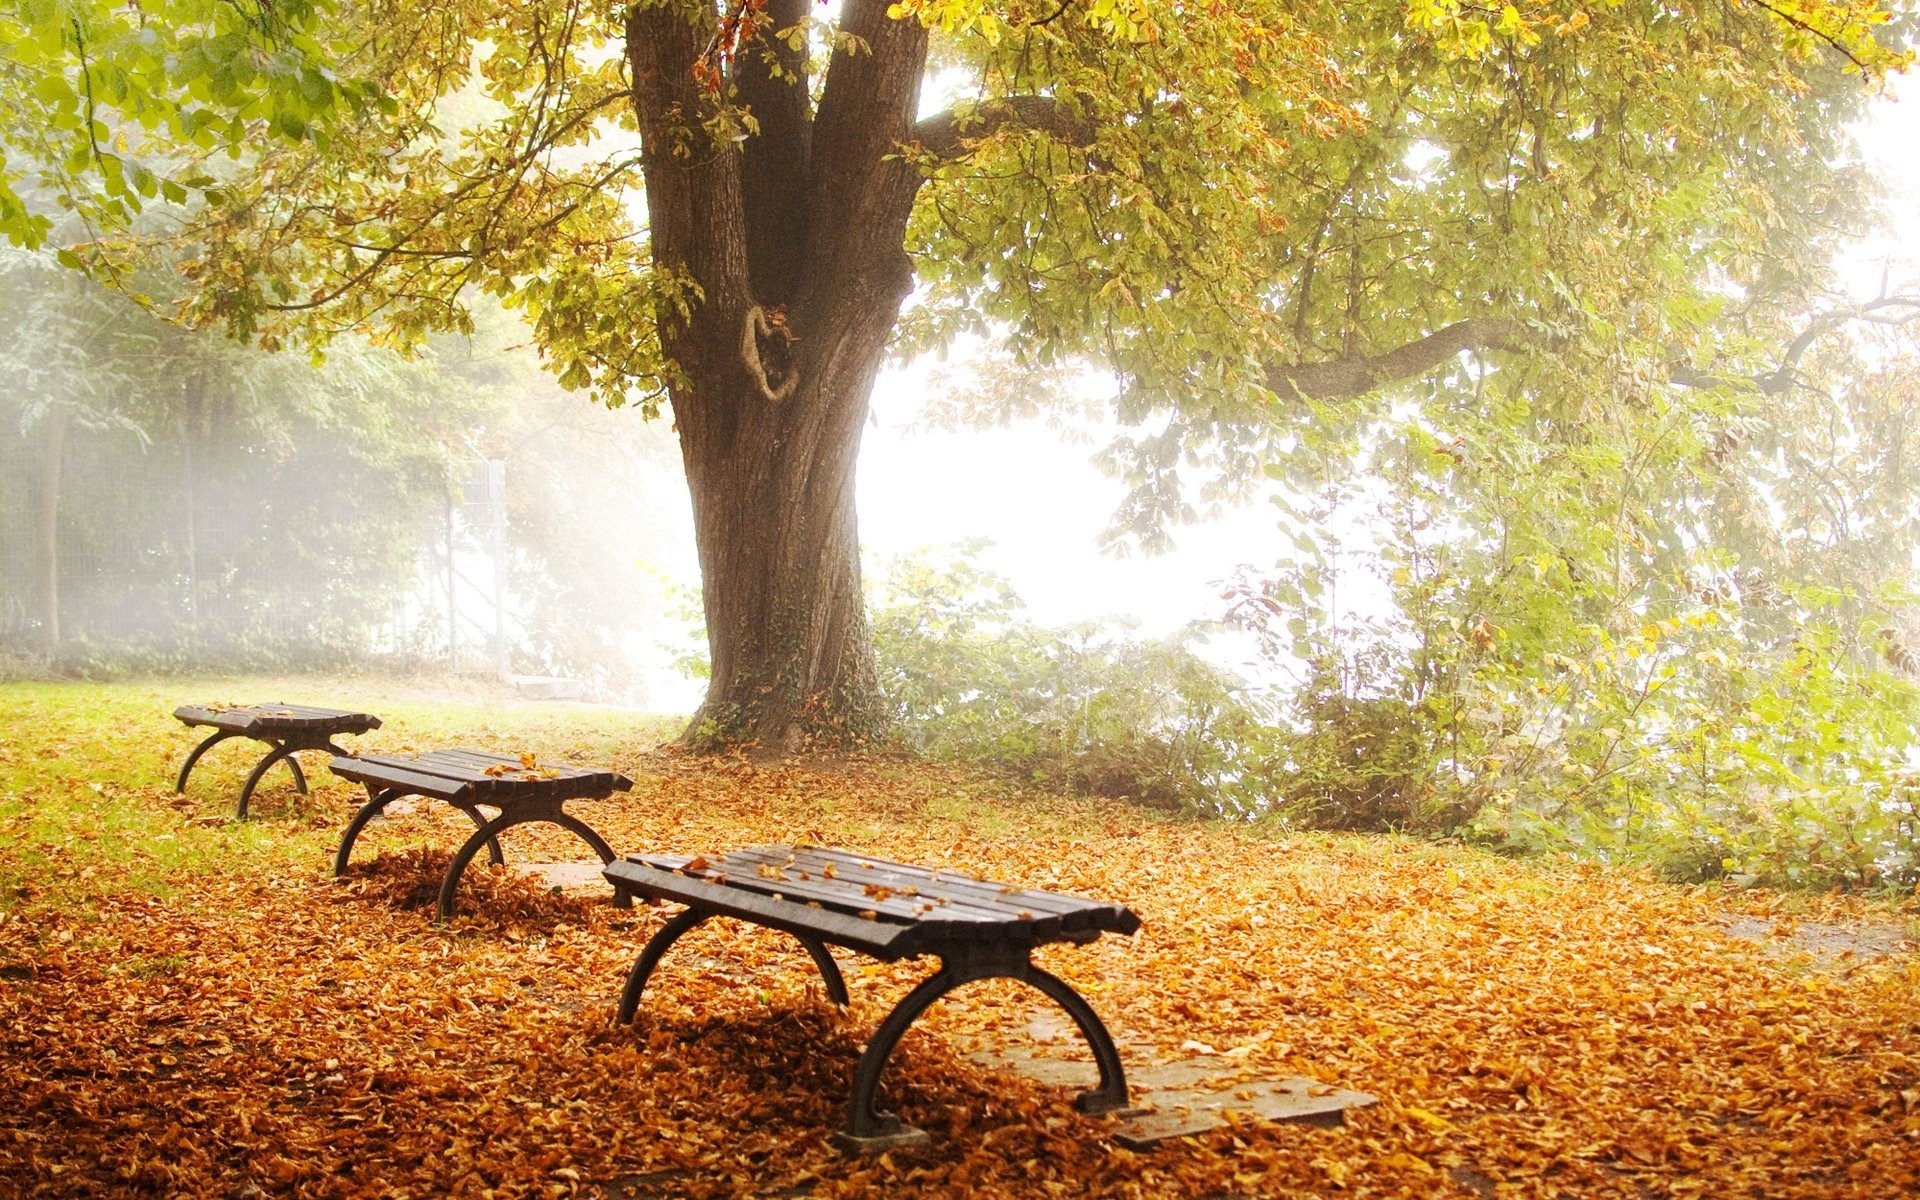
(378, 801)
(585, 832)
(668, 934)
(527, 814)
(186, 768)
(367, 813)
(464, 855)
(869, 1129)
(283, 750)
(1111, 1093)
(479, 820)
(253, 781)
(830, 976)
(650, 957)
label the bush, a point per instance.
(1088, 708)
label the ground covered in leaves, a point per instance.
(191, 1006)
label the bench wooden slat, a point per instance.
(847, 888)
(480, 760)
(388, 775)
(255, 719)
(462, 775)
(932, 897)
(881, 939)
(1047, 914)
(835, 894)
(437, 762)
(955, 885)
(977, 912)
(474, 764)
(239, 721)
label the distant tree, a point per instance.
(1249, 213)
(169, 496)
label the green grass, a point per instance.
(87, 803)
(87, 769)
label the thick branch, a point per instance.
(1358, 374)
(1355, 375)
(949, 136)
(866, 113)
(772, 79)
(694, 205)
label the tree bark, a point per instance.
(773, 509)
(47, 540)
(794, 244)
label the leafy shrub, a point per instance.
(967, 676)
(1788, 769)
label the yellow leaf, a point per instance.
(1433, 1121)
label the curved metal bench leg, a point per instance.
(585, 832)
(368, 812)
(649, 958)
(1112, 1092)
(479, 820)
(488, 835)
(869, 1129)
(836, 983)
(253, 781)
(299, 776)
(464, 855)
(186, 768)
(670, 933)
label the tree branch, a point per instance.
(1885, 310)
(772, 79)
(866, 111)
(1833, 40)
(694, 207)
(949, 136)
(1356, 375)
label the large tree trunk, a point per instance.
(783, 232)
(793, 239)
(773, 507)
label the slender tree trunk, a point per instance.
(47, 539)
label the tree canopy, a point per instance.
(106, 105)
(1250, 214)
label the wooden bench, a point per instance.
(889, 910)
(521, 790)
(287, 729)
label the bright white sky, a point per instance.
(1043, 504)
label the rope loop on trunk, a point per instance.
(766, 347)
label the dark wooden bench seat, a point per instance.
(888, 910)
(519, 790)
(287, 729)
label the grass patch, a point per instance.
(87, 770)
